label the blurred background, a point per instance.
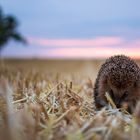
(50, 55)
(74, 29)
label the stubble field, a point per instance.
(53, 100)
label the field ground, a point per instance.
(53, 100)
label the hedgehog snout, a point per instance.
(118, 100)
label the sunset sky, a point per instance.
(75, 28)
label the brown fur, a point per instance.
(120, 77)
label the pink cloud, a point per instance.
(99, 41)
(99, 47)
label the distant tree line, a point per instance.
(8, 30)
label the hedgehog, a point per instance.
(119, 76)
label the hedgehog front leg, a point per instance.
(100, 100)
(99, 94)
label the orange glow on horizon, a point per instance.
(89, 53)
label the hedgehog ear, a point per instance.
(137, 84)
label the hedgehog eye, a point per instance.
(124, 96)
